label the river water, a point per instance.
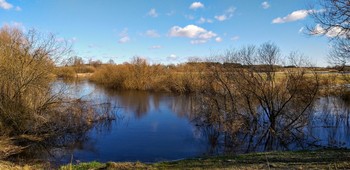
(152, 127)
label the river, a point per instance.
(152, 127)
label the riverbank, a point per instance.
(319, 159)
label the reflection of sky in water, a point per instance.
(151, 127)
(156, 126)
(330, 125)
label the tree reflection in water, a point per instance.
(327, 126)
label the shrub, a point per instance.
(65, 72)
(29, 106)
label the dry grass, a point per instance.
(8, 148)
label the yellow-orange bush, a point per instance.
(139, 75)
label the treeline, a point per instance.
(192, 76)
(75, 65)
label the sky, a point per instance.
(169, 31)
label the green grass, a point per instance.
(320, 159)
(83, 166)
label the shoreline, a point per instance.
(304, 159)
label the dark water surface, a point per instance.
(153, 127)
(149, 127)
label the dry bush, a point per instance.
(65, 72)
(84, 69)
(139, 75)
(112, 76)
(26, 62)
(269, 105)
(30, 108)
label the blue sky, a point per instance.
(168, 31)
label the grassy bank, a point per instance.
(320, 159)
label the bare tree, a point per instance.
(28, 103)
(259, 97)
(26, 62)
(333, 21)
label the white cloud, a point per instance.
(226, 15)
(70, 40)
(200, 35)
(172, 56)
(265, 5)
(294, 16)
(231, 10)
(156, 47)
(152, 13)
(335, 32)
(203, 20)
(190, 31)
(301, 30)
(218, 39)
(18, 8)
(198, 41)
(235, 38)
(124, 37)
(332, 32)
(207, 35)
(196, 5)
(5, 5)
(221, 17)
(152, 33)
(123, 40)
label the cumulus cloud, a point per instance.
(198, 34)
(152, 13)
(218, 39)
(190, 31)
(207, 35)
(124, 37)
(265, 5)
(226, 15)
(332, 32)
(203, 20)
(294, 16)
(196, 5)
(5, 5)
(152, 33)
